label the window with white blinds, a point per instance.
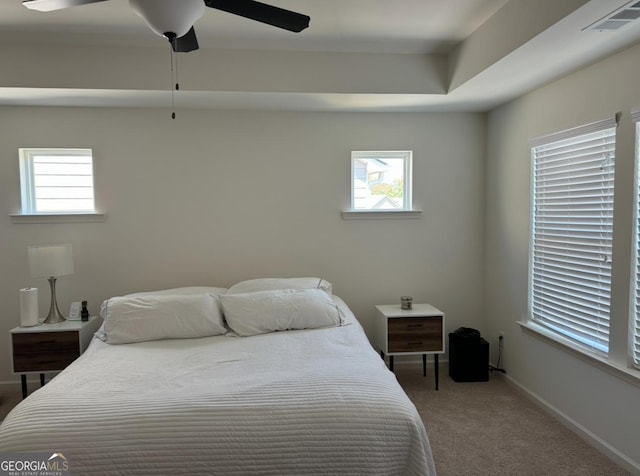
(635, 292)
(572, 231)
(56, 181)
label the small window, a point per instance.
(381, 180)
(56, 181)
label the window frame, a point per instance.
(406, 156)
(634, 292)
(606, 127)
(28, 188)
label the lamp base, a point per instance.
(54, 315)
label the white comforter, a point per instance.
(297, 403)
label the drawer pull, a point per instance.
(414, 343)
(46, 342)
(47, 362)
(414, 325)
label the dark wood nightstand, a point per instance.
(419, 330)
(49, 347)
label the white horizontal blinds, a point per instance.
(635, 320)
(62, 181)
(573, 175)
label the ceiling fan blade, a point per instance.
(50, 5)
(187, 42)
(263, 13)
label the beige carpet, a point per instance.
(8, 400)
(490, 428)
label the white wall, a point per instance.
(599, 404)
(216, 197)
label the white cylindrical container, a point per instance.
(29, 307)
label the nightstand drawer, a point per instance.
(43, 362)
(415, 334)
(43, 342)
(49, 347)
(406, 332)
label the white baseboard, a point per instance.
(612, 453)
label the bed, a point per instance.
(315, 400)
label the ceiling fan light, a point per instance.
(169, 16)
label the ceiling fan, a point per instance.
(174, 19)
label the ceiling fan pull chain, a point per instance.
(177, 83)
(173, 104)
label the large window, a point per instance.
(572, 231)
(635, 292)
(381, 180)
(56, 181)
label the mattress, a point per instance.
(301, 402)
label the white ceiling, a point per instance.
(397, 26)
(481, 52)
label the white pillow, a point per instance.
(182, 291)
(249, 314)
(137, 319)
(100, 334)
(268, 284)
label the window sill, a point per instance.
(627, 374)
(381, 214)
(59, 218)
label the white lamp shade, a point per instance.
(169, 16)
(50, 261)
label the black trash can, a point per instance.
(468, 356)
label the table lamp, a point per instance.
(51, 261)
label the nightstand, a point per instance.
(49, 347)
(419, 330)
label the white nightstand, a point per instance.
(419, 330)
(49, 347)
